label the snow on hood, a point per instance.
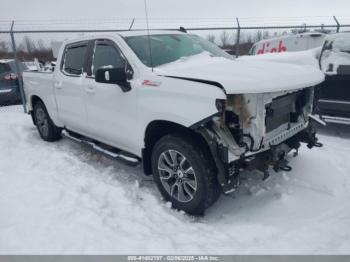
(239, 76)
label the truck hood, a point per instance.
(240, 76)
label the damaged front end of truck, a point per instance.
(257, 131)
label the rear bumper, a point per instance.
(9, 95)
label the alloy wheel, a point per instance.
(42, 121)
(177, 175)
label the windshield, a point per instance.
(335, 56)
(171, 47)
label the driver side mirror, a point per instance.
(116, 76)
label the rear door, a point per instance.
(69, 91)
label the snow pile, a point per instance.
(60, 198)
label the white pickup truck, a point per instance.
(193, 115)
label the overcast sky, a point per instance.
(109, 9)
(251, 13)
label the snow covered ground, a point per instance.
(63, 198)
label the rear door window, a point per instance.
(74, 59)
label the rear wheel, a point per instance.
(47, 129)
(185, 174)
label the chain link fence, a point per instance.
(27, 45)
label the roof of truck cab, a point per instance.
(122, 34)
(151, 32)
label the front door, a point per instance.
(111, 112)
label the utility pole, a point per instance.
(132, 23)
(18, 71)
(337, 22)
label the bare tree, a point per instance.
(9, 44)
(242, 37)
(266, 35)
(224, 37)
(249, 38)
(258, 36)
(211, 38)
(41, 45)
(29, 44)
(3, 47)
(21, 47)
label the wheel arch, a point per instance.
(160, 128)
(34, 99)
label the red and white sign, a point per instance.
(276, 49)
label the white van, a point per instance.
(290, 43)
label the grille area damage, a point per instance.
(256, 131)
(280, 111)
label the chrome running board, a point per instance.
(336, 120)
(114, 153)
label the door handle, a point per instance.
(90, 89)
(58, 85)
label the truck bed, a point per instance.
(39, 83)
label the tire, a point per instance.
(200, 188)
(46, 128)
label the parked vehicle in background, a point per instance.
(9, 82)
(333, 95)
(49, 66)
(195, 116)
(34, 65)
(290, 43)
(31, 66)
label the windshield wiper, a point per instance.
(72, 70)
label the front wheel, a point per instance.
(185, 174)
(47, 129)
